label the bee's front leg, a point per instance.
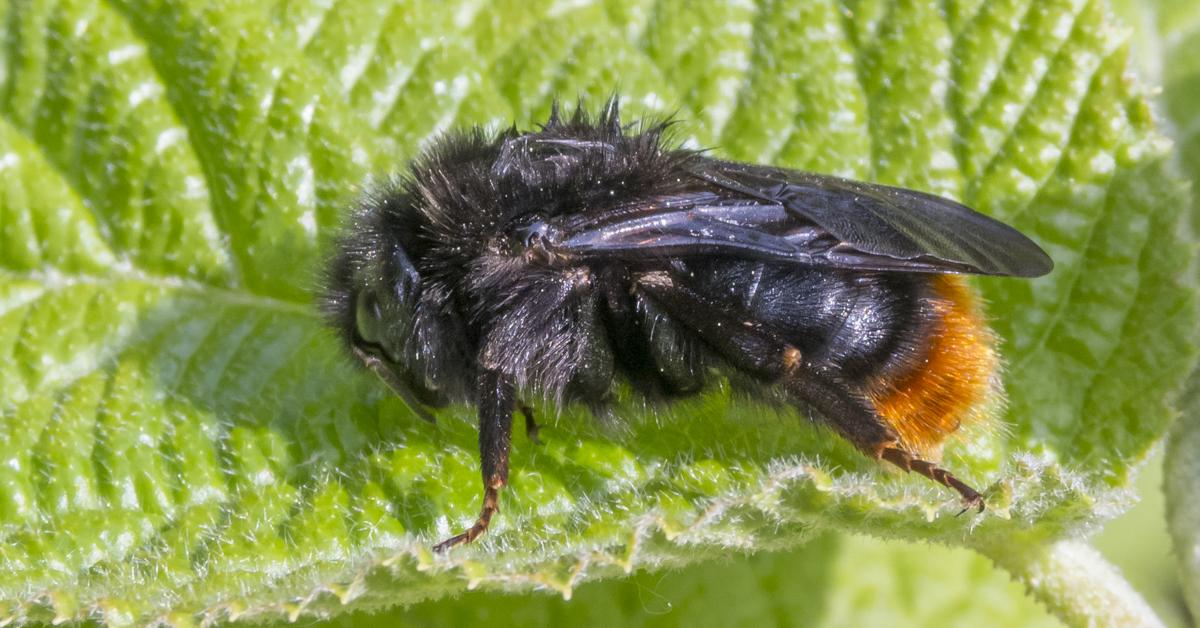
(496, 400)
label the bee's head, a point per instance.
(394, 323)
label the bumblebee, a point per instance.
(553, 263)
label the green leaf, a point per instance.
(1168, 32)
(1183, 491)
(184, 440)
(833, 580)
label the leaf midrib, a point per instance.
(54, 282)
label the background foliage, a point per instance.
(1167, 38)
(184, 441)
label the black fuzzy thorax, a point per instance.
(460, 219)
(470, 189)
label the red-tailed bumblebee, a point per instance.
(550, 263)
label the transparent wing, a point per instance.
(789, 216)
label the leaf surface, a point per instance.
(184, 440)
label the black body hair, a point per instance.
(460, 219)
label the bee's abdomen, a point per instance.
(856, 324)
(952, 375)
(914, 344)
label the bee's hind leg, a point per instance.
(971, 498)
(858, 422)
(496, 399)
(758, 351)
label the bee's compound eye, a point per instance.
(368, 318)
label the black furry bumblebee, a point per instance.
(551, 262)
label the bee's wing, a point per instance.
(804, 218)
